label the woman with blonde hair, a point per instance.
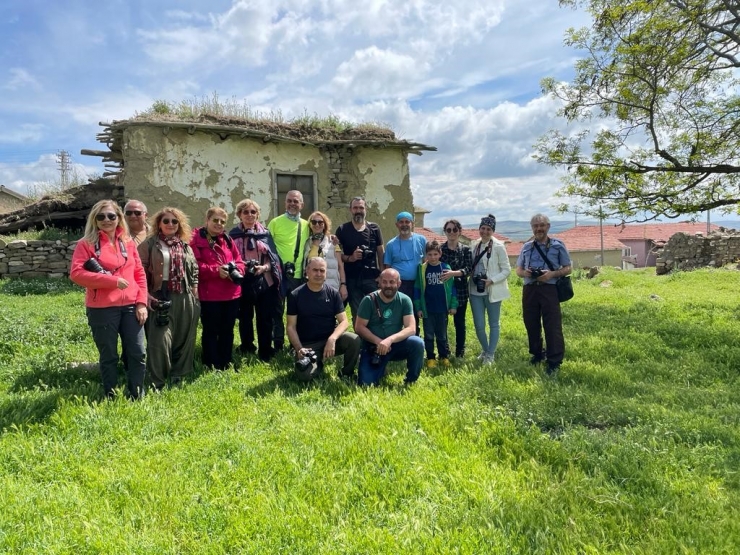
(220, 271)
(319, 244)
(261, 285)
(106, 263)
(172, 280)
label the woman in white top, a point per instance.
(319, 244)
(488, 286)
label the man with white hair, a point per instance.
(135, 213)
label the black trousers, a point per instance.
(263, 307)
(541, 310)
(407, 287)
(460, 329)
(278, 325)
(218, 319)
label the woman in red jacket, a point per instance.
(107, 264)
(220, 270)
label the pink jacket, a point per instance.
(102, 289)
(210, 258)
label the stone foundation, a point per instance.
(32, 258)
(686, 252)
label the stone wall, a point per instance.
(686, 252)
(29, 258)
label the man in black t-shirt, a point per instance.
(362, 254)
(317, 321)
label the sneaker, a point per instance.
(481, 356)
(489, 359)
(431, 363)
(537, 359)
(445, 361)
(552, 369)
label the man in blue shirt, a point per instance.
(404, 253)
(540, 304)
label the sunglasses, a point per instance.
(451, 230)
(134, 212)
(317, 222)
(110, 215)
(249, 211)
(218, 221)
(167, 221)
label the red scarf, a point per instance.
(177, 261)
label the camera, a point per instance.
(161, 312)
(251, 266)
(307, 366)
(375, 358)
(480, 282)
(289, 268)
(367, 252)
(234, 273)
(92, 265)
(536, 272)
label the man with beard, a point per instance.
(385, 320)
(289, 231)
(135, 213)
(362, 254)
(540, 304)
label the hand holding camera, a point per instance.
(536, 273)
(233, 273)
(480, 282)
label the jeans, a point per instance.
(460, 329)
(407, 288)
(278, 325)
(480, 305)
(410, 349)
(435, 327)
(217, 340)
(107, 324)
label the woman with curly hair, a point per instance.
(172, 279)
(106, 263)
(319, 244)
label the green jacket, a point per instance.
(420, 287)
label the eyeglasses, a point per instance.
(245, 211)
(218, 221)
(134, 212)
(110, 215)
(317, 222)
(451, 230)
(167, 221)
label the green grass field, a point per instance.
(634, 448)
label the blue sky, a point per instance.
(462, 76)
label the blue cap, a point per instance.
(405, 216)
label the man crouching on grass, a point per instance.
(385, 320)
(317, 322)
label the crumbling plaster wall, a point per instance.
(199, 170)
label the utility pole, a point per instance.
(63, 163)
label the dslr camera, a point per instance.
(92, 265)
(307, 366)
(480, 282)
(367, 252)
(289, 268)
(536, 272)
(234, 273)
(161, 312)
(251, 266)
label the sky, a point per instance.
(463, 76)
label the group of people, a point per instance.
(150, 280)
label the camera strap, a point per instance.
(374, 296)
(124, 253)
(297, 241)
(488, 250)
(544, 256)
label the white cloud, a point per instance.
(21, 79)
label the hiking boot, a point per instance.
(537, 359)
(445, 361)
(431, 363)
(552, 368)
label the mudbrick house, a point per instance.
(206, 161)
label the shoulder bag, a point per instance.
(564, 284)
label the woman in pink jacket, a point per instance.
(107, 264)
(220, 271)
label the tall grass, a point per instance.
(633, 448)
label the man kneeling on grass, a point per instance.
(385, 320)
(317, 324)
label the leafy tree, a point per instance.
(659, 79)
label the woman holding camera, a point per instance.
(220, 271)
(460, 260)
(489, 286)
(319, 244)
(172, 280)
(262, 279)
(106, 263)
